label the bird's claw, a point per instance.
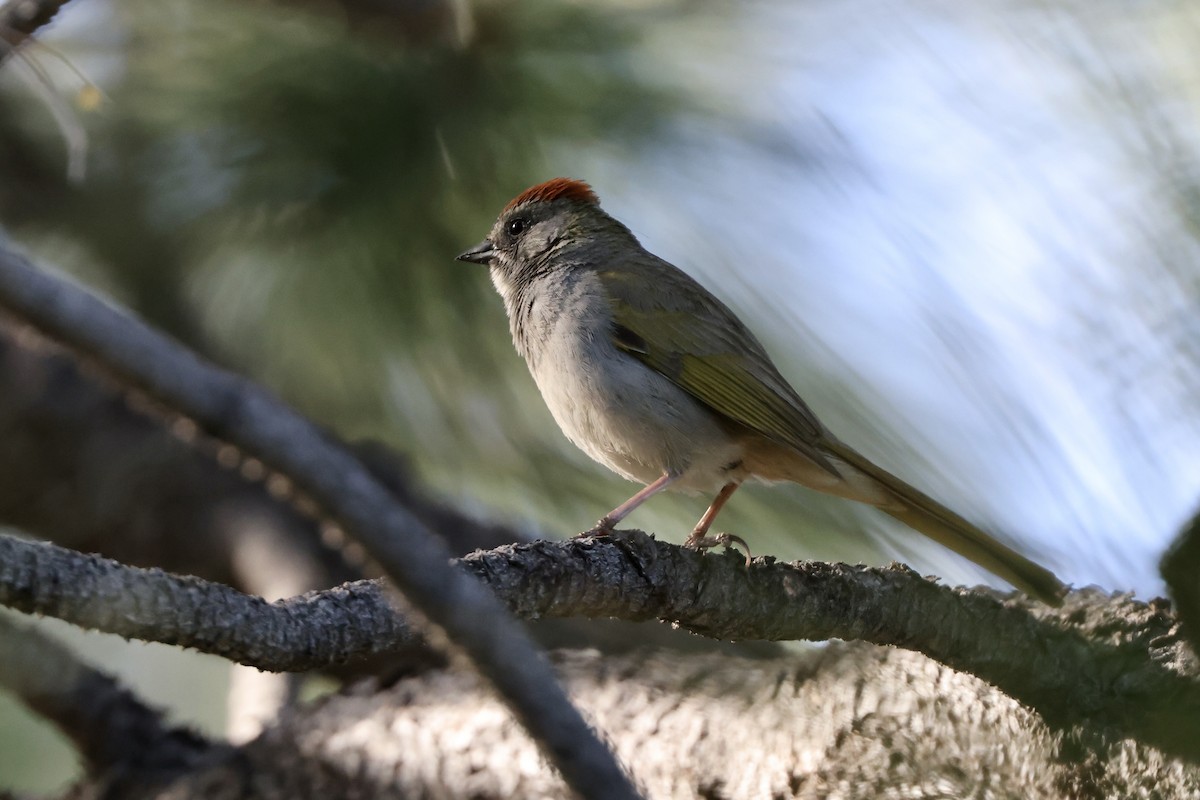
(703, 542)
(604, 527)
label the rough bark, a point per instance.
(1105, 678)
(849, 721)
(1099, 660)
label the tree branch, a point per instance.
(84, 466)
(1106, 660)
(847, 720)
(1180, 568)
(1100, 661)
(315, 630)
(112, 729)
(238, 412)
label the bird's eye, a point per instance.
(517, 226)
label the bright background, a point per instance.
(967, 233)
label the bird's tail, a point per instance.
(997, 558)
(924, 514)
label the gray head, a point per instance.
(552, 224)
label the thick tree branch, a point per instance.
(848, 720)
(1100, 660)
(309, 632)
(1105, 659)
(236, 411)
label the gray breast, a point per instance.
(620, 412)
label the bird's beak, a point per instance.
(482, 253)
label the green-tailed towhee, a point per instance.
(656, 379)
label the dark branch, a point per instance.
(109, 726)
(20, 19)
(236, 411)
(83, 465)
(1100, 660)
(1180, 568)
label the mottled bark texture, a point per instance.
(1107, 663)
(848, 721)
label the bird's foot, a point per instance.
(604, 527)
(699, 541)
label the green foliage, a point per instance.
(285, 190)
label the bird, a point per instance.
(651, 375)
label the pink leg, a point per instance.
(707, 520)
(622, 511)
(699, 539)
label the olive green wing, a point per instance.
(690, 337)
